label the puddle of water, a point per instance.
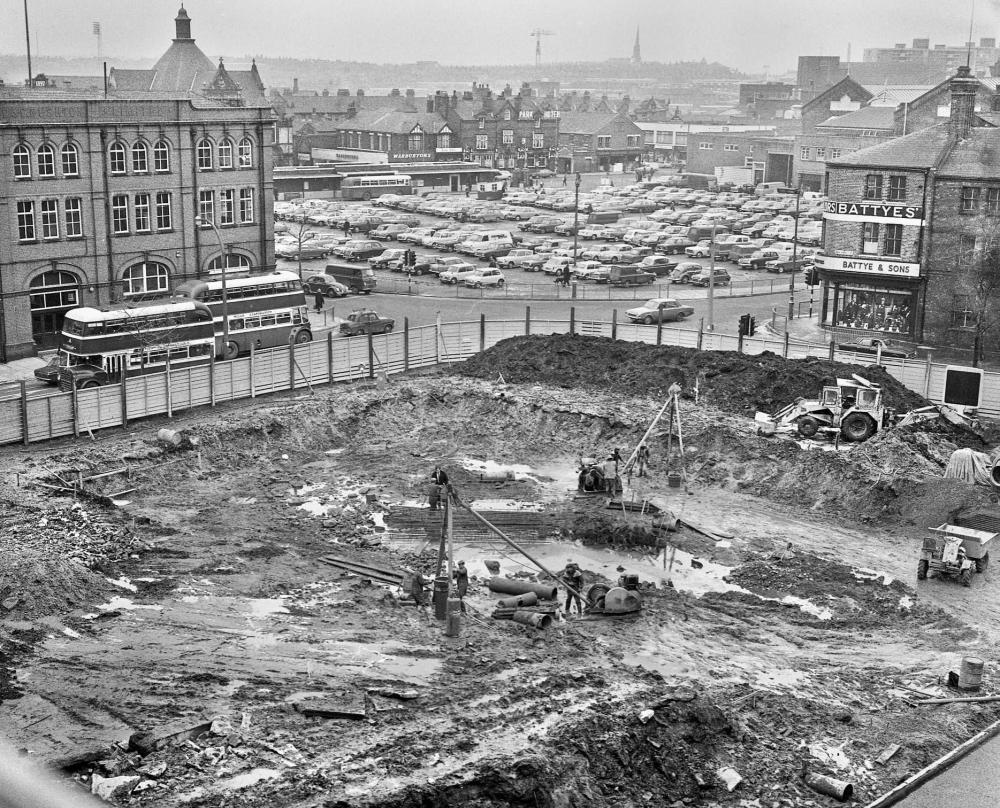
(262, 607)
(248, 778)
(123, 583)
(124, 604)
(506, 505)
(554, 479)
(780, 677)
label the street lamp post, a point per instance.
(204, 221)
(576, 213)
(711, 280)
(795, 248)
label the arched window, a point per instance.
(140, 158)
(70, 160)
(116, 157)
(147, 278)
(225, 153)
(233, 262)
(161, 156)
(22, 162)
(51, 295)
(246, 153)
(203, 152)
(46, 158)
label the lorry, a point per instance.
(359, 279)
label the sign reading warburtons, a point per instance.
(869, 266)
(873, 212)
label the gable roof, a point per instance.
(587, 123)
(896, 94)
(921, 149)
(392, 121)
(864, 118)
(846, 86)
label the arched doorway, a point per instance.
(233, 262)
(51, 295)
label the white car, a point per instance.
(659, 308)
(484, 277)
(457, 273)
(513, 258)
(592, 231)
(592, 271)
(703, 249)
(555, 266)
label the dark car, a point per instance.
(366, 321)
(326, 285)
(50, 373)
(685, 271)
(720, 277)
(871, 345)
(358, 250)
(672, 245)
(659, 265)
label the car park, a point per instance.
(630, 275)
(533, 262)
(664, 309)
(388, 232)
(484, 277)
(703, 249)
(673, 245)
(456, 271)
(416, 235)
(718, 277)
(557, 264)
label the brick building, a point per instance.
(596, 141)
(836, 137)
(912, 232)
(98, 197)
(768, 157)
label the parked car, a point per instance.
(592, 231)
(656, 264)
(719, 277)
(659, 308)
(672, 245)
(513, 258)
(326, 285)
(631, 275)
(786, 264)
(305, 252)
(386, 258)
(591, 271)
(685, 271)
(366, 321)
(557, 264)
(484, 277)
(50, 373)
(358, 250)
(388, 232)
(533, 262)
(456, 273)
(450, 262)
(703, 249)
(871, 345)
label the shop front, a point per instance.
(869, 297)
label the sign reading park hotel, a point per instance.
(869, 266)
(873, 212)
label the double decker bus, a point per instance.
(104, 346)
(367, 186)
(264, 311)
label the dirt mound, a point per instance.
(730, 381)
(34, 585)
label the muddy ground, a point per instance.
(790, 639)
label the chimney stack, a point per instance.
(963, 102)
(295, 85)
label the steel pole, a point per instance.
(711, 280)
(795, 248)
(225, 290)
(576, 213)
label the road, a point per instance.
(973, 782)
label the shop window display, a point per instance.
(874, 310)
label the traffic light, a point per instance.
(410, 258)
(748, 325)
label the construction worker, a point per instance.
(573, 579)
(434, 494)
(461, 575)
(439, 475)
(417, 584)
(610, 469)
(642, 459)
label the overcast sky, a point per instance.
(746, 34)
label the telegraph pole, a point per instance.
(27, 43)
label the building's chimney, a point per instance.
(963, 102)
(410, 93)
(295, 85)
(343, 92)
(361, 93)
(430, 104)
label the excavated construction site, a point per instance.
(173, 634)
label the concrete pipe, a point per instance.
(830, 786)
(527, 599)
(534, 619)
(508, 586)
(995, 473)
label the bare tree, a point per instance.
(301, 234)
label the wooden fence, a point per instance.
(29, 415)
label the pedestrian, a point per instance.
(467, 187)
(319, 301)
(417, 584)
(461, 575)
(347, 227)
(564, 180)
(642, 458)
(434, 495)
(573, 579)
(565, 274)
(610, 469)
(439, 475)
(493, 262)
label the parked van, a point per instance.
(701, 232)
(603, 217)
(484, 238)
(359, 279)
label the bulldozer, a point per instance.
(852, 408)
(956, 552)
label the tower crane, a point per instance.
(538, 33)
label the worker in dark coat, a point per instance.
(642, 459)
(461, 575)
(572, 577)
(439, 475)
(319, 301)
(417, 584)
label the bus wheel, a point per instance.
(231, 350)
(303, 336)
(89, 383)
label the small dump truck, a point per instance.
(955, 551)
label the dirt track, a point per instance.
(793, 633)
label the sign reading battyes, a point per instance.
(873, 212)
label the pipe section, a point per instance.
(508, 586)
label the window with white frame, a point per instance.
(538, 140)
(731, 147)
(142, 220)
(206, 207)
(705, 145)
(140, 158)
(119, 214)
(482, 141)
(46, 159)
(869, 238)
(25, 220)
(482, 123)
(507, 137)
(820, 153)
(203, 154)
(227, 206)
(70, 160)
(506, 114)
(963, 314)
(225, 153)
(246, 205)
(805, 153)
(116, 158)
(164, 218)
(22, 162)
(49, 210)
(73, 217)
(146, 278)
(161, 156)
(604, 141)
(835, 153)
(246, 153)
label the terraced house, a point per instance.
(99, 191)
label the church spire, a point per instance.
(636, 53)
